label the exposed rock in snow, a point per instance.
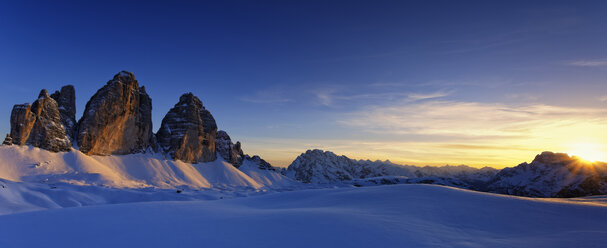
(227, 150)
(7, 140)
(66, 100)
(551, 175)
(188, 131)
(261, 164)
(39, 125)
(117, 119)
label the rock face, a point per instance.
(188, 131)
(117, 119)
(227, 150)
(7, 140)
(39, 125)
(22, 121)
(66, 99)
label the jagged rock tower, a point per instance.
(188, 131)
(229, 151)
(117, 119)
(39, 125)
(66, 99)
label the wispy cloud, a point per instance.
(425, 96)
(474, 132)
(603, 98)
(472, 118)
(589, 63)
(329, 97)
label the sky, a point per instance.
(481, 83)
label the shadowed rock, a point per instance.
(188, 131)
(117, 119)
(227, 150)
(39, 125)
(66, 100)
(7, 140)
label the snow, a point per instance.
(69, 199)
(382, 216)
(30, 164)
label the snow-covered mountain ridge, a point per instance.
(548, 175)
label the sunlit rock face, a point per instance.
(227, 150)
(22, 121)
(188, 131)
(66, 100)
(117, 119)
(39, 125)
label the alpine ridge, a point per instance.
(548, 175)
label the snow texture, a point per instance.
(383, 216)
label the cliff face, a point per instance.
(39, 125)
(66, 100)
(117, 119)
(188, 131)
(227, 150)
(22, 121)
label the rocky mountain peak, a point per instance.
(43, 94)
(117, 119)
(124, 76)
(188, 131)
(39, 124)
(552, 158)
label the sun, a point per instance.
(588, 151)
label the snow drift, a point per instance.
(383, 216)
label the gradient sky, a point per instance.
(427, 82)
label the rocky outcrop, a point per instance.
(66, 100)
(188, 131)
(229, 151)
(7, 140)
(22, 121)
(261, 164)
(117, 119)
(39, 125)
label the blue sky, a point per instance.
(424, 82)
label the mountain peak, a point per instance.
(552, 158)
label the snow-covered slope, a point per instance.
(383, 216)
(30, 164)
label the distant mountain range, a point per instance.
(548, 175)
